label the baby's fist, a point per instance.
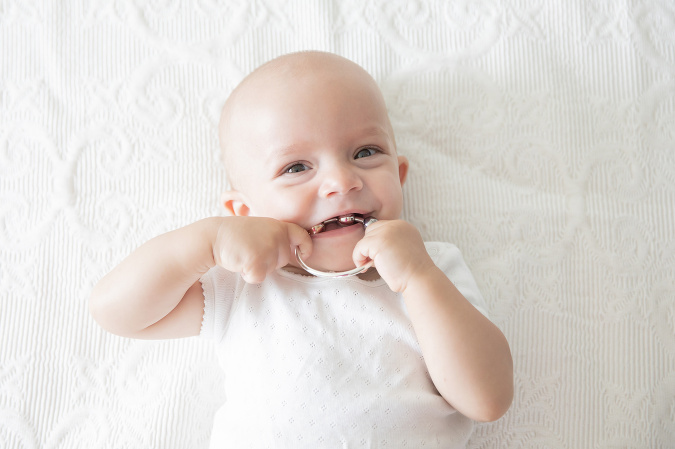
(257, 246)
(397, 251)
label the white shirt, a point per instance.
(313, 362)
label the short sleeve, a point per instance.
(449, 259)
(219, 286)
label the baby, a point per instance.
(400, 355)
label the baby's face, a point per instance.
(310, 149)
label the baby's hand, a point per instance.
(255, 246)
(397, 251)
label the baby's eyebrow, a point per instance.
(282, 152)
(374, 131)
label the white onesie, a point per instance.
(327, 363)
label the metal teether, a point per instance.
(343, 220)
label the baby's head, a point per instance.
(306, 137)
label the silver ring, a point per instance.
(331, 274)
(335, 274)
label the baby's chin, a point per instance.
(331, 259)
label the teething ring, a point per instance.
(338, 274)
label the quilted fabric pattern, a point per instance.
(542, 143)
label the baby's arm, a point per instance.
(156, 293)
(468, 357)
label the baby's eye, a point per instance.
(365, 152)
(295, 168)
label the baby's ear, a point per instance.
(235, 203)
(403, 166)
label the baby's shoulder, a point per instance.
(439, 251)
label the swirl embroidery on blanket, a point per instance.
(540, 136)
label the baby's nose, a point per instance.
(340, 180)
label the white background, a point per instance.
(541, 138)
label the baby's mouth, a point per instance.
(341, 221)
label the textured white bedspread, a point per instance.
(541, 136)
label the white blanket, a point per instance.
(541, 136)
